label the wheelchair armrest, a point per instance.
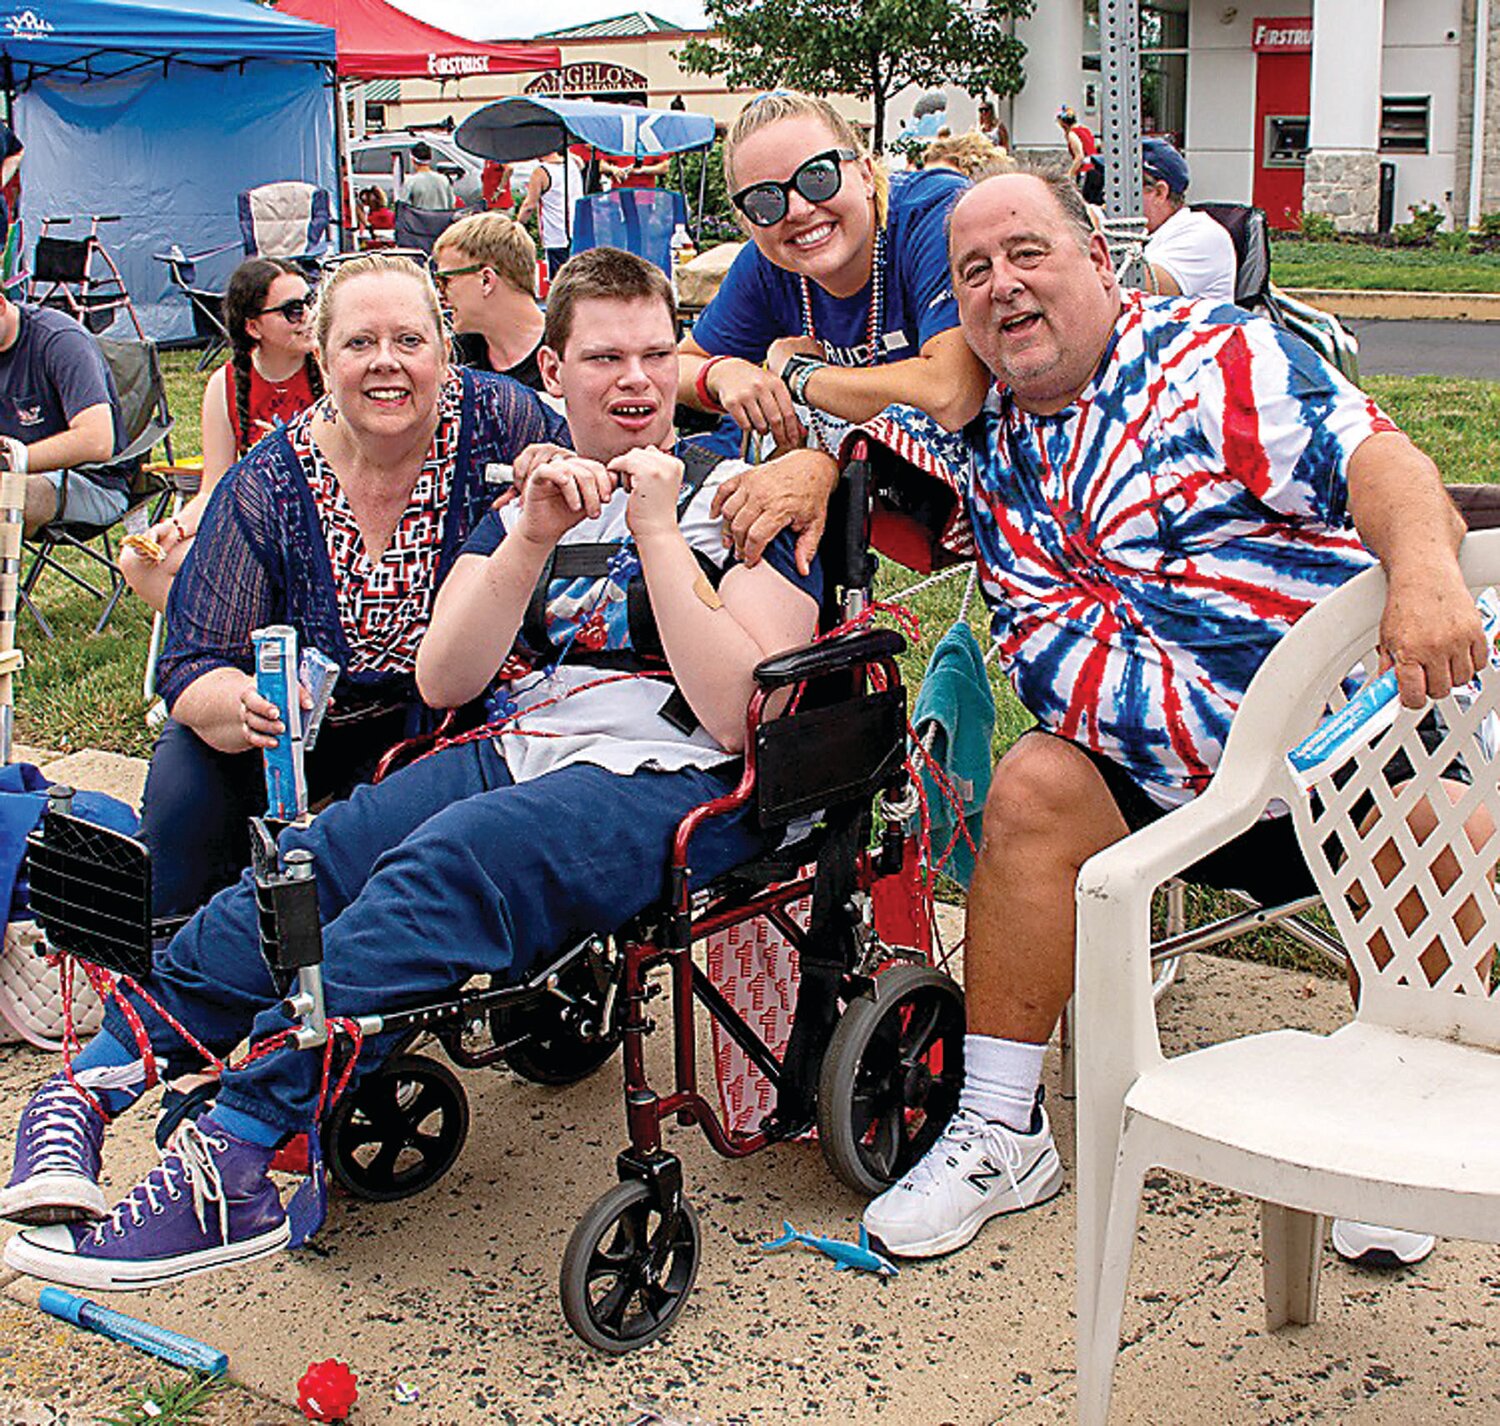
(844, 651)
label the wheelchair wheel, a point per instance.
(627, 1273)
(399, 1131)
(891, 1076)
(566, 1041)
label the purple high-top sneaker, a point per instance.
(55, 1177)
(208, 1204)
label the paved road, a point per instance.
(1428, 348)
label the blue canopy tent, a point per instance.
(163, 111)
(511, 130)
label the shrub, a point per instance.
(1426, 219)
(1318, 228)
(1489, 225)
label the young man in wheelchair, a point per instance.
(488, 856)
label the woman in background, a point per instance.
(271, 377)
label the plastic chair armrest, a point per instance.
(844, 651)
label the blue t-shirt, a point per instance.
(52, 371)
(759, 302)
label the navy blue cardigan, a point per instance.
(260, 556)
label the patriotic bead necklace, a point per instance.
(828, 429)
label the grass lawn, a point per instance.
(1358, 265)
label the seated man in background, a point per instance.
(485, 270)
(1161, 488)
(489, 856)
(1189, 254)
(58, 408)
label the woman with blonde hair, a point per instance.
(342, 523)
(841, 303)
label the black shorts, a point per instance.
(1265, 861)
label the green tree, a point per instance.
(868, 48)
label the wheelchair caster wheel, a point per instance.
(627, 1273)
(891, 1076)
(554, 1052)
(399, 1131)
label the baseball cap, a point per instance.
(422, 151)
(1161, 161)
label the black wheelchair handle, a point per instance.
(844, 651)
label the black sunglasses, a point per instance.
(294, 309)
(817, 180)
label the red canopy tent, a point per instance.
(378, 41)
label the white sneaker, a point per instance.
(1374, 1247)
(977, 1170)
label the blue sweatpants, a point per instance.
(445, 870)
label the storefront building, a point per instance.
(1354, 108)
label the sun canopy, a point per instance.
(378, 41)
(510, 130)
(98, 39)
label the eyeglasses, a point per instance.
(817, 180)
(294, 309)
(442, 278)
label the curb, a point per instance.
(1388, 305)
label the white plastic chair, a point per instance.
(1390, 1119)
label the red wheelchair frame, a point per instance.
(874, 1058)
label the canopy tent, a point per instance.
(378, 41)
(511, 130)
(97, 39)
(514, 129)
(163, 111)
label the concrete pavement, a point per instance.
(452, 1295)
(1427, 348)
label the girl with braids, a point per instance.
(272, 377)
(342, 523)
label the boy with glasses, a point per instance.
(485, 270)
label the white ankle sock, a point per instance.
(1001, 1079)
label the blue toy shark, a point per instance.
(845, 1255)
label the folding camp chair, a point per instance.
(207, 305)
(286, 220)
(419, 229)
(146, 421)
(79, 277)
(1251, 235)
(640, 220)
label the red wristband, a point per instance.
(700, 386)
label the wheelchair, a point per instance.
(874, 1059)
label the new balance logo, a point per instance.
(981, 1178)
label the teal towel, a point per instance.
(956, 701)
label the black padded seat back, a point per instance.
(1251, 235)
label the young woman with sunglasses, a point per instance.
(842, 302)
(271, 377)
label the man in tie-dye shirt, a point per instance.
(1161, 488)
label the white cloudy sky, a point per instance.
(490, 19)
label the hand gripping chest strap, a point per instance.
(594, 560)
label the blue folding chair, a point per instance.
(640, 220)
